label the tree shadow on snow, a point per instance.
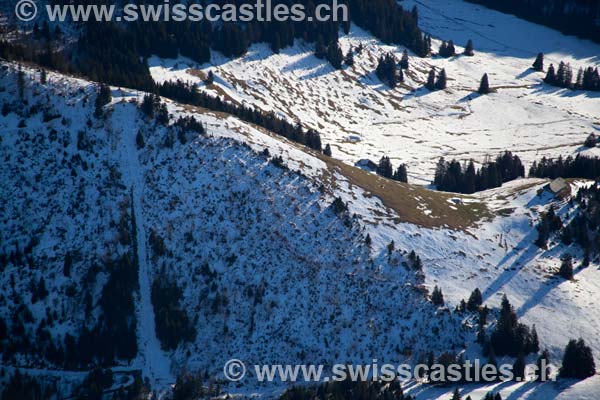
(371, 80)
(545, 288)
(543, 88)
(530, 389)
(469, 97)
(525, 73)
(418, 92)
(309, 63)
(525, 251)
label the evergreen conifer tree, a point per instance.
(335, 55)
(431, 80)
(578, 360)
(542, 365)
(210, 78)
(67, 264)
(534, 344)
(384, 168)
(484, 85)
(386, 70)
(404, 60)
(139, 140)
(21, 82)
(475, 300)
(437, 297)
(349, 58)
(579, 80)
(401, 174)
(447, 49)
(451, 49)
(550, 75)
(470, 180)
(469, 51)
(441, 80)
(276, 43)
(456, 394)
(566, 267)
(538, 64)
(103, 97)
(415, 14)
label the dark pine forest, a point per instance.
(573, 17)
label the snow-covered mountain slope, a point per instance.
(250, 244)
(504, 260)
(253, 246)
(586, 390)
(268, 268)
(62, 199)
(363, 118)
(265, 266)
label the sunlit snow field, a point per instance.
(363, 118)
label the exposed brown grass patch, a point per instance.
(415, 204)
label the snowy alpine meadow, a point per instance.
(361, 117)
(145, 243)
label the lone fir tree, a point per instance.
(441, 80)
(469, 49)
(475, 300)
(538, 64)
(404, 60)
(484, 85)
(566, 267)
(431, 80)
(210, 78)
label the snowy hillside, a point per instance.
(156, 238)
(223, 213)
(216, 232)
(362, 118)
